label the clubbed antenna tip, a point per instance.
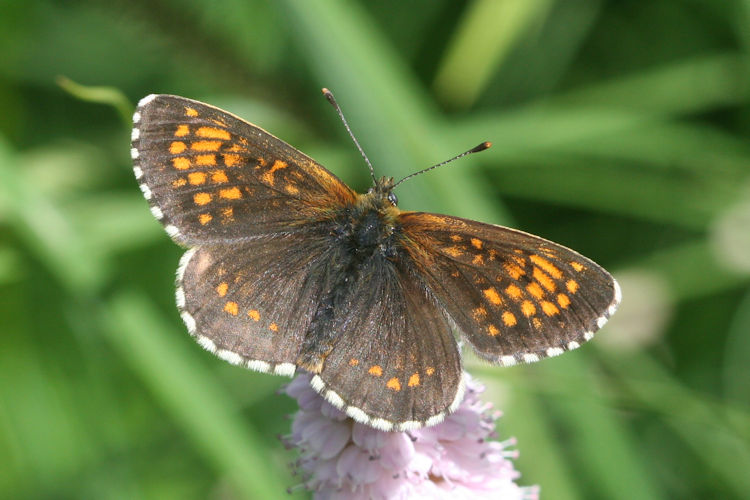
(475, 149)
(480, 147)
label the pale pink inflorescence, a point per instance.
(457, 459)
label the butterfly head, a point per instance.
(382, 191)
(380, 199)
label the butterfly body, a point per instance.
(363, 237)
(288, 269)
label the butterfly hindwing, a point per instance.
(251, 303)
(515, 297)
(211, 176)
(395, 364)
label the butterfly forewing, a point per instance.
(211, 176)
(515, 297)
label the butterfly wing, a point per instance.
(256, 212)
(395, 364)
(210, 176)
(515, 297)
(251, 303)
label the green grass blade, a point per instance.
(486, 34)
(192, 396)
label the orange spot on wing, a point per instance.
(204, 219)
(544, 279)
(179, 182)
(231, 308)
(476, 243)
(219, 176)
(182, 131)
(578, 267)
(453, 251)
(231, 193)
(177, 147)
(520, 261)
(222, 289)
(353, 362)
(237, 148)
(254, 314)
(205, 160)
(196, 178)
(536, 322)
(456, 238)
(191, 112)
(273, 327)
(493, 296)
(492, 330)
(527, 308)
(394, 384)
(205, 145)
(547, 266)
(563, 300)
(202, 198)
(375, 370)
(181, 163)
(278, 165)
(413, 380)
(478, 260)
(549, 308)
(430, 370)
(513, 270)
(535, 290)
(479, 312)
(291, 189)
(513, 292)
(231, 160)
(227, 212)
(572, 286)
(509, 318)
(212, 133)
(268, 177)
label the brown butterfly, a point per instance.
(288, 268)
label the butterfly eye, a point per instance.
(393, 198)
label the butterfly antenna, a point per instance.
(332, 100)
(475, 149)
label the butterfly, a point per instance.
(289, 269)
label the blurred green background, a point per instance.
(620, 129)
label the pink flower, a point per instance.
(344, 460)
